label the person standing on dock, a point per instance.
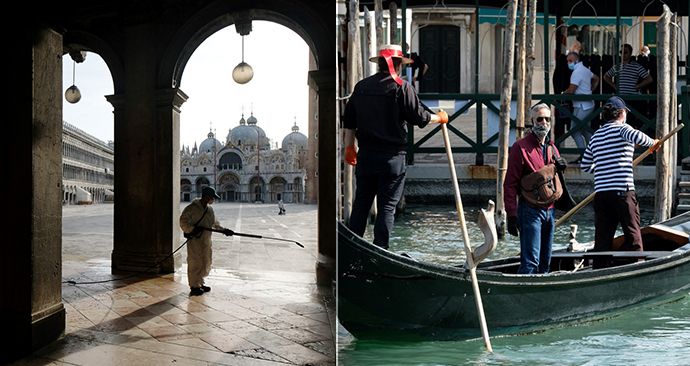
(610, 157)
(582, 82)
(632, 78)
(377, 116)
(533, 224)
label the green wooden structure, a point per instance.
(480, 145)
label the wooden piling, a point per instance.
(521, 72)
(393, 21)
(378, 14)
(673, 121)
(370, 46)
(531, 35)
(662, 202)
(504, 126)
(354, 74)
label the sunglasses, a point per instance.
(542, 119)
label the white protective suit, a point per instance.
(199, 251)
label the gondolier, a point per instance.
(610, 157)
(377, 115)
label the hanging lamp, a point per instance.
(242, 73)
(72, 94)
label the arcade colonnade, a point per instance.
(146, 46)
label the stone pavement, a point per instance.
(264, 307)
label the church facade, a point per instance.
(244, 168)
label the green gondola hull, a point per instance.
(385, 295)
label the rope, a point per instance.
(74, 283)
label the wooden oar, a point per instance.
(471, 264)
(635, 162)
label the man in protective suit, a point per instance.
(196, 217)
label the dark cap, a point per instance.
(617, 103)
(209, 192)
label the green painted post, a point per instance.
(479, 156)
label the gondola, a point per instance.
(382, 294)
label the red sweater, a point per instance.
(525, 157)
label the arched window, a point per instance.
(231, 159)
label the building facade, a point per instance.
(244, 168)
(88, 169)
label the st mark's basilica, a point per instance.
(243, 168)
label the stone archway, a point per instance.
(277, 188)
(229, 187)
(257, 189)
(146, 47)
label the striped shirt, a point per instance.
(610, 156)
(629, 75)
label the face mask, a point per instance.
(541, 130)
(571, 66)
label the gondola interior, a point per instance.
(658, 242)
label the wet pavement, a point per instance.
(264, 307)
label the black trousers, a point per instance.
(610, 209)
(381, 176)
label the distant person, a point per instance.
(197, 216)
(418, 66)
(377, 115)
(533, 223)
(582, 81)
(631, 76)
(632, 79)
(610, 157)
(648, 61)
(644, 51)
(281, 206)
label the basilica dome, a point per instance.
(295, 138)
(208, 145)
(242, 135)
(263, 140)
(228, 139)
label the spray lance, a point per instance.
(229, 232)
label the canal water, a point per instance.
(656, 334)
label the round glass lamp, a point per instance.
(72, 94)
(242, 73)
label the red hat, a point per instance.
(388, 52)
(391, 50)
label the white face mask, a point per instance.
(540, 129)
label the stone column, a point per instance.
(311, 180)
(147, 183)
(323, 81)
(31, 308)
(168, 103)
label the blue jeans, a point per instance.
(536, 238)
(582, 136)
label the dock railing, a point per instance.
(479, 142)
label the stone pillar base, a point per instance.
(49, 327)
(124, 261)
(325, 271)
